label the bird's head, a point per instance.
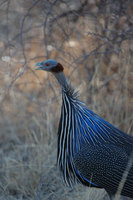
(56, 68)
(50, 65)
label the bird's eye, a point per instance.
(47, 64)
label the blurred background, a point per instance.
(93, 39)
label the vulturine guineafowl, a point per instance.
(90, 150)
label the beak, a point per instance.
(38, 65)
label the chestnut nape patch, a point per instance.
(58, 68)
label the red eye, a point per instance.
(47, 64)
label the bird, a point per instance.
(90, 150)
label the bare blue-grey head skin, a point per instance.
(46, 65)
(56, 69)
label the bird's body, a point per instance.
(91, 150)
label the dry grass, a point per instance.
(96, 50)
